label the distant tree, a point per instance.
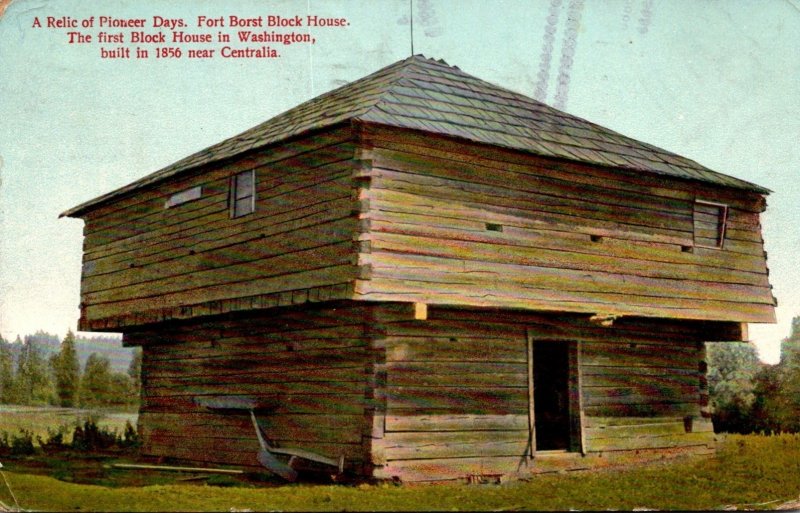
(95, 387)
(732, 369)
(32, 382)
(135, 373)
(6, 373)
(46, 343)
(768, 412)
(789, 378)
(777, 405)
(66, 371)
(121, 390)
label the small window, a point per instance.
(710, 221)
(243, 194)
(182, 197)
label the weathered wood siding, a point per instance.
(464, 224)
(144, 263)
(435, 221)
(309, 367)
(454, 400)
(441, 398)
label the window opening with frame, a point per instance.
(243, 193)
(710, 223)
(185, 196)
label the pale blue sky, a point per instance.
(718, 82)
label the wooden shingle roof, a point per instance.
(429, 95)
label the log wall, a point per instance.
(145, 263)
(465, 224)
(455, 398)
(308, 368)
(442, 398)
(378, 214)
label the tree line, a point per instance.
(29, 377)
(748, 396)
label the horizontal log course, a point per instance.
(206, 233)
(237, 453)
(265, 373)
(312, 152)
(651, 442)
(211, 232)
(751, 269)
(479, 376)
(486, 400)
(295, 427)
(288, 387)
(276, 196)
(455, 422)
(283, 362)
(627, 427)
(223, 259)
(559, 325)
(645, 409)
(650, 377)
(307, 402)
(560, 198)
(395, 201)
(580, 238)
(179, 279)
(171, 449)
(473, 220)
(245, 287)
(454, 444)
(154, 314)
(449, 469)
(429, 146)
(386, 289)
(261, 339)
(462, 349)
(619, 396)
(643, 355)
(491, 274)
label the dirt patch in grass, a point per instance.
(99, 470)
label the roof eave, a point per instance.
(155, 177)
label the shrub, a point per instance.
(55, 440)
(90, 438)
(22, 444)
(130, 437)
(5, 444)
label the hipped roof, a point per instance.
(429, 95)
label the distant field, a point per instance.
(38, 419)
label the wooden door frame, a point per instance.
(577, 441)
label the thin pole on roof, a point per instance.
(411, 23)
(310, 56)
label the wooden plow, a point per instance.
(267, 453)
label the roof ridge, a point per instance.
(400, 74)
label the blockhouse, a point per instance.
(430, 277)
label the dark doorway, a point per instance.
(551, 395)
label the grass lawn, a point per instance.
(747, 470)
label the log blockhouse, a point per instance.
(432, 276)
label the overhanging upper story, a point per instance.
(423, 184)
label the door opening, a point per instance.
(551, 395)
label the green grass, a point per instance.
(38, 419)
(746, 470)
